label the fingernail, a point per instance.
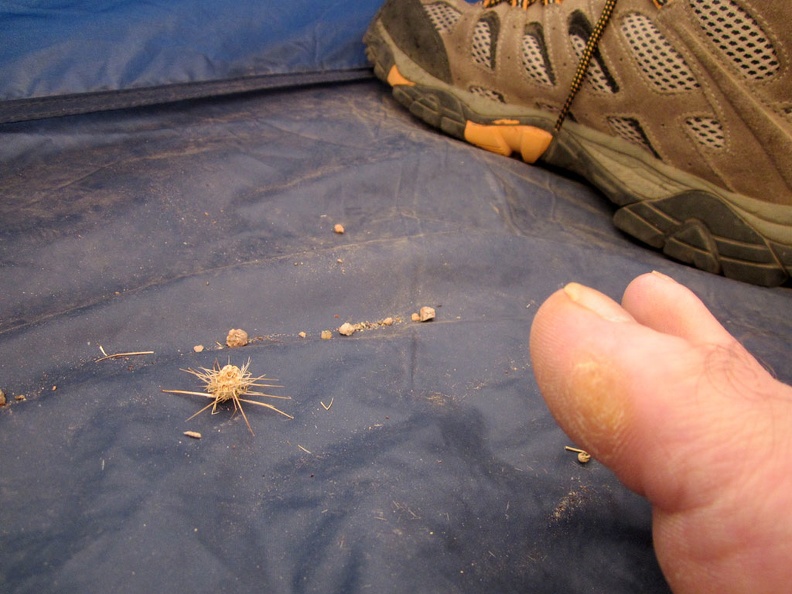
(597, 303)
(659, 274)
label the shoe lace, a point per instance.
(585, 60)
(588, 51)
(516, 3)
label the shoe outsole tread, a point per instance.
(687, 218)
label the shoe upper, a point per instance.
(703, 85)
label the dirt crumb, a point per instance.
(347, 329)
(2, 398)
(338, 228)
(426, 313)
(326, 335)
(198, 348)
(237, 338)
(302, 334)
(193, 434)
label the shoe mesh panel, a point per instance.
(481, 49)
(534, 58)
(739, 37)
(487, 93)
(443, 17)
(657, 58)
(597, 73)
(630, 129)
(596, 76)
(707, 131)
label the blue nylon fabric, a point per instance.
(421, 457)
(71, 47)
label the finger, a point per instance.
(659, 302)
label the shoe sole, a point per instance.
(688, 218)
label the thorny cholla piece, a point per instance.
(230, 383)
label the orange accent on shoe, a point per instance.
(395, 78)
(529, 141)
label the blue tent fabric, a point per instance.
(421, 456)
(60, 58)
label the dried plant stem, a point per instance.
(119, 355)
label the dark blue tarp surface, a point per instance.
(421, 457)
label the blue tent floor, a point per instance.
(421, 456)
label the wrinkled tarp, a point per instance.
(421, 456)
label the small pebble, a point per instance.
(347, 329)
(426, 313)
(198, 348)
(339, 229)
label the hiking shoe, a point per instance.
(680, 111)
